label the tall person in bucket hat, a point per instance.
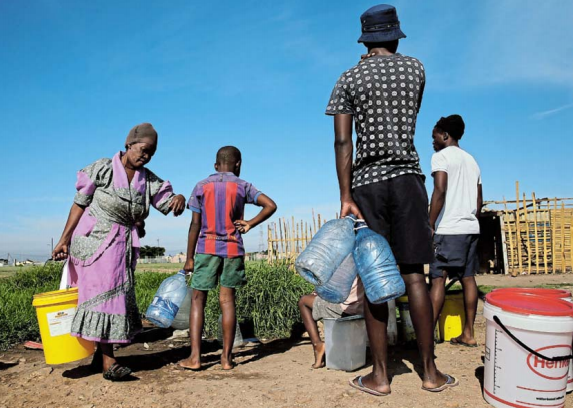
(385, 185)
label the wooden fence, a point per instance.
(537, 234)
(288, 237)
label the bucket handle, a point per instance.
(535, 353)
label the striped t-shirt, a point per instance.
(221, 199)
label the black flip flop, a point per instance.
(116, 372)
(456, 342)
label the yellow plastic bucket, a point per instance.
(55, 311)
(453, 316)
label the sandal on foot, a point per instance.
(450, 382)
(116, 372)
(457, 342)
(361, 387)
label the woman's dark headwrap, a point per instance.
(454, 125)
(143, 133)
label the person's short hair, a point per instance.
(228, 155)
(454, 125)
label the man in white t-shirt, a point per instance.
(454, 211)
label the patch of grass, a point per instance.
(17, 315)
(269, 300)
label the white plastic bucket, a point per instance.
(552, 293)
(345, 341)
(514, 376)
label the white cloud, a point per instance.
(551, 112)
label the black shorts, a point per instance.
(455, 254)
(397, 209)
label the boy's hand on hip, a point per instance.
(242, 226)
(189, 266)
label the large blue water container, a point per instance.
(377, 266)
(338, 287)
(167, 300)
(328, 248)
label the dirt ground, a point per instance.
(271, 374)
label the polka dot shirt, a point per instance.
(383, 93)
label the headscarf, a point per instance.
(143, 133)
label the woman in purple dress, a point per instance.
(101, 240)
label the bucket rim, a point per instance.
(545, 292)
(55, 297)
(529, 304)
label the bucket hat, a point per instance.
(380, 24)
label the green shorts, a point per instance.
(210, 268)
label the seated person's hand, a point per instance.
(242, 226)
(189, 266)
(177, 205)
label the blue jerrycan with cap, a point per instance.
(167, 300)
(326, 251)
(338, 287)
(376, 266)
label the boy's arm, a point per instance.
(193, 236)
(480, 201)
(343, 150)
(438, 196)
(269, 208)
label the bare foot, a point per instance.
(227, 363)
(319, 351)
(381, 384)
(190, 364)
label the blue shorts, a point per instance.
(455, 254)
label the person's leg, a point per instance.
(373, 201)
(108, 356)
(305, 305)
(470, 289)
(227, 302)
(196, 321)
(376, 318)
(437, 295)
(422, 319)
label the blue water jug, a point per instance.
(167, 300)
(326, 251)
(377, 266)
(338, 287)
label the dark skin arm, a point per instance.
(269, 208)
(480, 201)
(62, 247)
(343, 150)
(438, 196)
(192, 238)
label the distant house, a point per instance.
(181, 257)
(3, 262)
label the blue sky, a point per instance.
(77, 75)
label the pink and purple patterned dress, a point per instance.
(105, 247)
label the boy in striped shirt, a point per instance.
(215, 250)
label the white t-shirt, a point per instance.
(458, 216)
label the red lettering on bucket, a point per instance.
(551, 370)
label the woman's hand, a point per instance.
(177, 205)
(242, 226)
(61, 251)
